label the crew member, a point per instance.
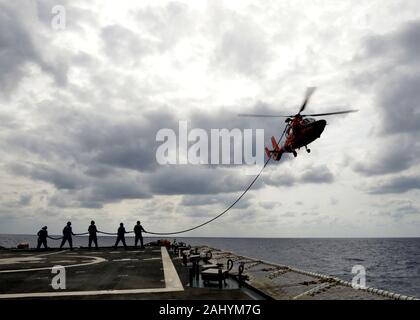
(138, 228)
(67, 233)
(42, 238)
(121, 236)
(92, 235)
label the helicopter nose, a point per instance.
(321, 126)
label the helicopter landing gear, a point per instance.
(307, 150)
(294, 153)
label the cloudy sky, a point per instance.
(80, 108)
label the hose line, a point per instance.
(204, 223)
(228, 208)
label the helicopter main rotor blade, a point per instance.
(328, 113)
(308, 95)
(262, 115)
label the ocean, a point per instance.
(391, 263)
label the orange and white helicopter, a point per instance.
(300, 130)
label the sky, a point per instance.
(80, 107)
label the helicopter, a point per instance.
(301, 129)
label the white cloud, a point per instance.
(81, 107)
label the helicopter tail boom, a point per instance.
(276, 153)
(274, 143)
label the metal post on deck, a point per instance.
(240, 276)
(197, 271)
(191, 276)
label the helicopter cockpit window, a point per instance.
(309, 120)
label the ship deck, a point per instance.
(107, 273)
(159, 274)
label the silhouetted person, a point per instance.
(67, 233)
(121, 236)
(42, 238)
(92, 235)
(138, 228)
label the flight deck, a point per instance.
(165, 273)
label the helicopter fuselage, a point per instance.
(302, 133)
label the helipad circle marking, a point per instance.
(172, 284)
(95, 261)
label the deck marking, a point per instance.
(32, 258)
(172, 281)
(95, 261)
(125, 260)
(84, 293)
(171, 275)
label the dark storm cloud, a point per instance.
(277, 180)
(398, 46)
(60, 178)
(95, 141)
(397, 96)
(394, 56)
(394, 61)
(197, 180)
(200, 200)
(87, 151)
(218, 199)
(400, 154)
(316, 175)
(399, 184)
(73, 189)
(16, 47)
(92, 153)
(126, 144)
(21, 45)
(319, 174)
(399, 101)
